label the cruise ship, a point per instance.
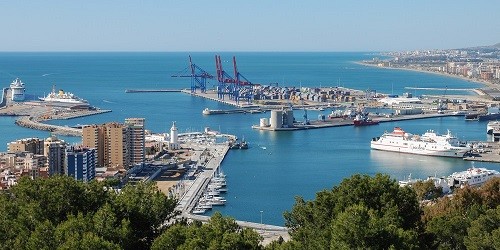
(64, 97)
(430, 143)
(17, 90)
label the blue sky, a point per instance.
(258, 25)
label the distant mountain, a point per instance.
(487, 47)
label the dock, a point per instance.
(194, 192)
(340, 122)
(489, 153)
(152, 90)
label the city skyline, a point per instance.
(173, 26)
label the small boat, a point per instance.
(198, 210)
(243, 145)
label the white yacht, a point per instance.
(473, 176)
(430, 143)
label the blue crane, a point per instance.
(198, 76)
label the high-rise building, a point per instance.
(30, 145)
(115, 145)
(110, 142)
(54, 150)
(93, 137)
(80, 163)
(136, 139)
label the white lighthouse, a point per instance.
(174, 143)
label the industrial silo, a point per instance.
(264, 122)
(288, 118)
(276, 118)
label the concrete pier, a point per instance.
(339, 122)
(195, 190)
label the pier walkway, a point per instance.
(211, 166)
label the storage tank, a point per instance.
(264, 122)
(276, 118)
(288, 118)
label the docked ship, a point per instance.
(493, 113)
(473, 176)
(493, 128)
(362, 119)
(430, 143)
(64, 97)
(17, 90)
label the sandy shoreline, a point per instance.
(485, 83)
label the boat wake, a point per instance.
(107, 101)
(264, 148)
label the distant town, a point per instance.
(480, 64)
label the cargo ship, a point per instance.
(430, 143)
(493, 113)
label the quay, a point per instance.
(489, 153)
(151, 90)
(194, 192)
(340, 122)
(33, 113)
(210, 167)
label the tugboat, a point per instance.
(243, 145)
(362, 119)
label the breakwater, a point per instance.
(30, 122)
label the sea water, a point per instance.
(278, 165)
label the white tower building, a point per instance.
(174, 143)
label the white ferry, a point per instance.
(429, 143)
(473, 176)
(61, 96)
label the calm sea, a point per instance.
(292, 163)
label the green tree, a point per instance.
(217, 233)
(147, 209)
(426, 190)
(484, 232)
(387, 206)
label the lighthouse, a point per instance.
(174, 143)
